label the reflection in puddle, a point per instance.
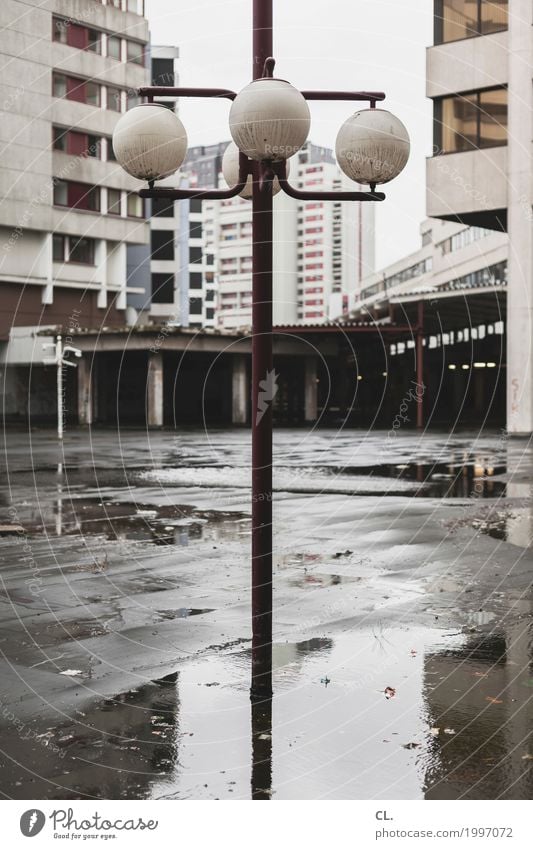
(456, 726)
(116, 520)
(320, 580)
(514, 526)
(114, 749)
(440, 480)
(478, 694)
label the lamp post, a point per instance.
(269, 122)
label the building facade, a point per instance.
(451, 258)
(321, 250)
(479, 78)
(67, 212)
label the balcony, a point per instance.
(470, 187)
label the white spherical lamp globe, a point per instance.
(150, 142)
(372, 146)
(269, 119)
(230, 172)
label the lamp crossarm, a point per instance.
(280, 172)
(245, 168)
(150, 92)
(245, 165)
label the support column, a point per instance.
(421, 389)
(311, 390)
(520, 222)
(154, 389)
(239, 387)
(85, 391)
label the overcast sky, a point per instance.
(350, 44)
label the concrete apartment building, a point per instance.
(321, 250)
(451, 257)
(67, 212)
(479, 78)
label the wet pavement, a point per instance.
(403, 617)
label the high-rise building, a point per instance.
(67, 211)
(479, 77)
(321, 250)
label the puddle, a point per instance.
(321, 580)
(513, 526)
(116, 520)
(440, 480)
(184, 612)
(416, 713)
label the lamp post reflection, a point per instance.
(261, 749)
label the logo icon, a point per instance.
(32, 822)
(267, 392)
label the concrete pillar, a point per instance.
(311, 390)
(154, 389)
(239, 388)
(520, 222)
(85, 391)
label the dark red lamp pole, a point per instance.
(131, 150)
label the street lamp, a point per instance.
(269, 122)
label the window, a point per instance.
(162, 208)
(195, 306)
(195, 229)
(135, 52)
(163, 288)
(74, 88)
(110, 154)
(58, 248)
(59, 139)
(76, 195)
(76, 35)
(209, 313)
(78, 144)
(458, 19)
(81, 250)
(59, 30)
(195, 205)
(94, 41)
(195, 280)
(135, 206)
(195, 254)
(59, 85)
(92, 93)
(114, 46)
(61, 193)
(162, 244)
(163, 72)
(94, 147)
(114, 99)
(135, 100)
(113, 201)
(471, 121)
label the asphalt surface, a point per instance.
(403, 613)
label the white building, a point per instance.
(321, 249)
(451, 258)
(479, 77)
(67, 211)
